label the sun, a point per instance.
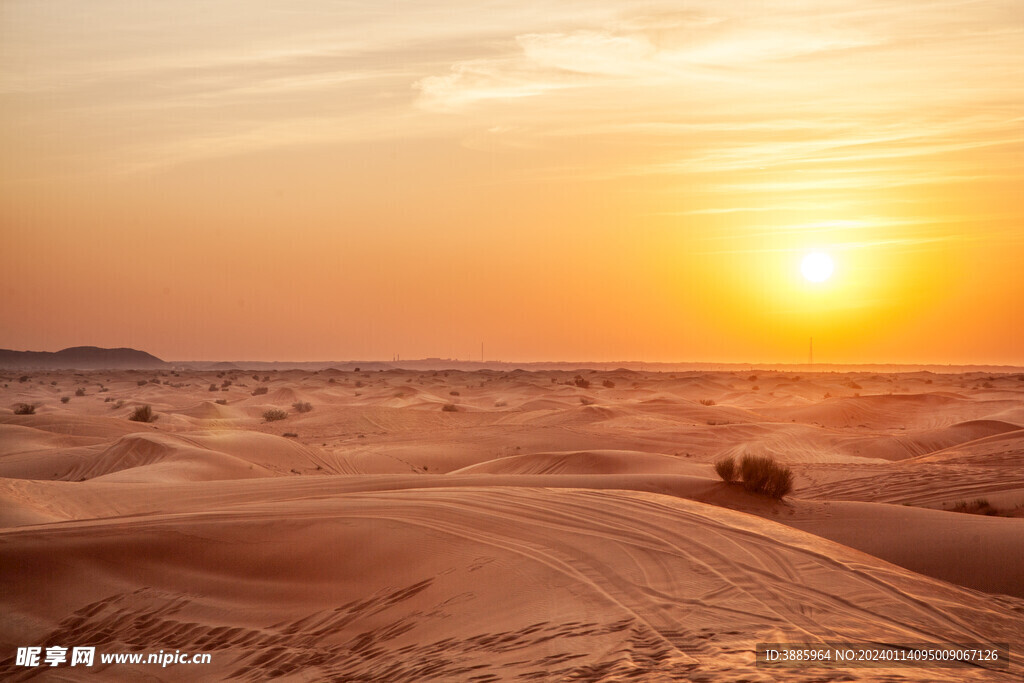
(817, 266)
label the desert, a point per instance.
(507, 525)
(517, 340)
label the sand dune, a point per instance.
(542, 530)
(474, 581)
(586, 462)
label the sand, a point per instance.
(538, 531)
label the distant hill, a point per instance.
(81, 358)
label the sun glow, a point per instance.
(817, 266)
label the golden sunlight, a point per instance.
(817, 266)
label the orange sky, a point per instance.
(572, 180)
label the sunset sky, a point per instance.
(316, 180)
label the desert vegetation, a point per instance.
(143, 413)
(25, 409)
(302, 406)
(726, 469)
(758, 474)
(978, 506)
(274, 414)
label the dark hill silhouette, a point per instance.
(81, 357)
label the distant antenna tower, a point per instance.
(810, 352)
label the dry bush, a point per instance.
(302, 407)
(65, 399)
(25, 409)
(274, 414)
(142, 382)
(259, 391)
(142, 414)
(79, 392)
(978, 506)
(761, 474)
(707, 401)
(454, 393)
(726, 469)
(221, 401)
(608, 384)
(213, 387)
(449, 408)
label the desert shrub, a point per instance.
(24, 378)
(707, 401)
(752, 378)
(359, 383)
(256, 378)
(978, 506)
(582, 383)
(454, 393)
(142, 414)
(449, 408)
(65, 399)
(25, 409)
(79, 392)
(586, 401)
(302, 407)
(761, 474)
(500, 403)
(225, 384)
(608, 384)
(221, 401)
(213, 387)
(726, 469)
(274, 414)
(118, 404)
(259, 391)
(290, 434)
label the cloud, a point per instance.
(588, 52)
